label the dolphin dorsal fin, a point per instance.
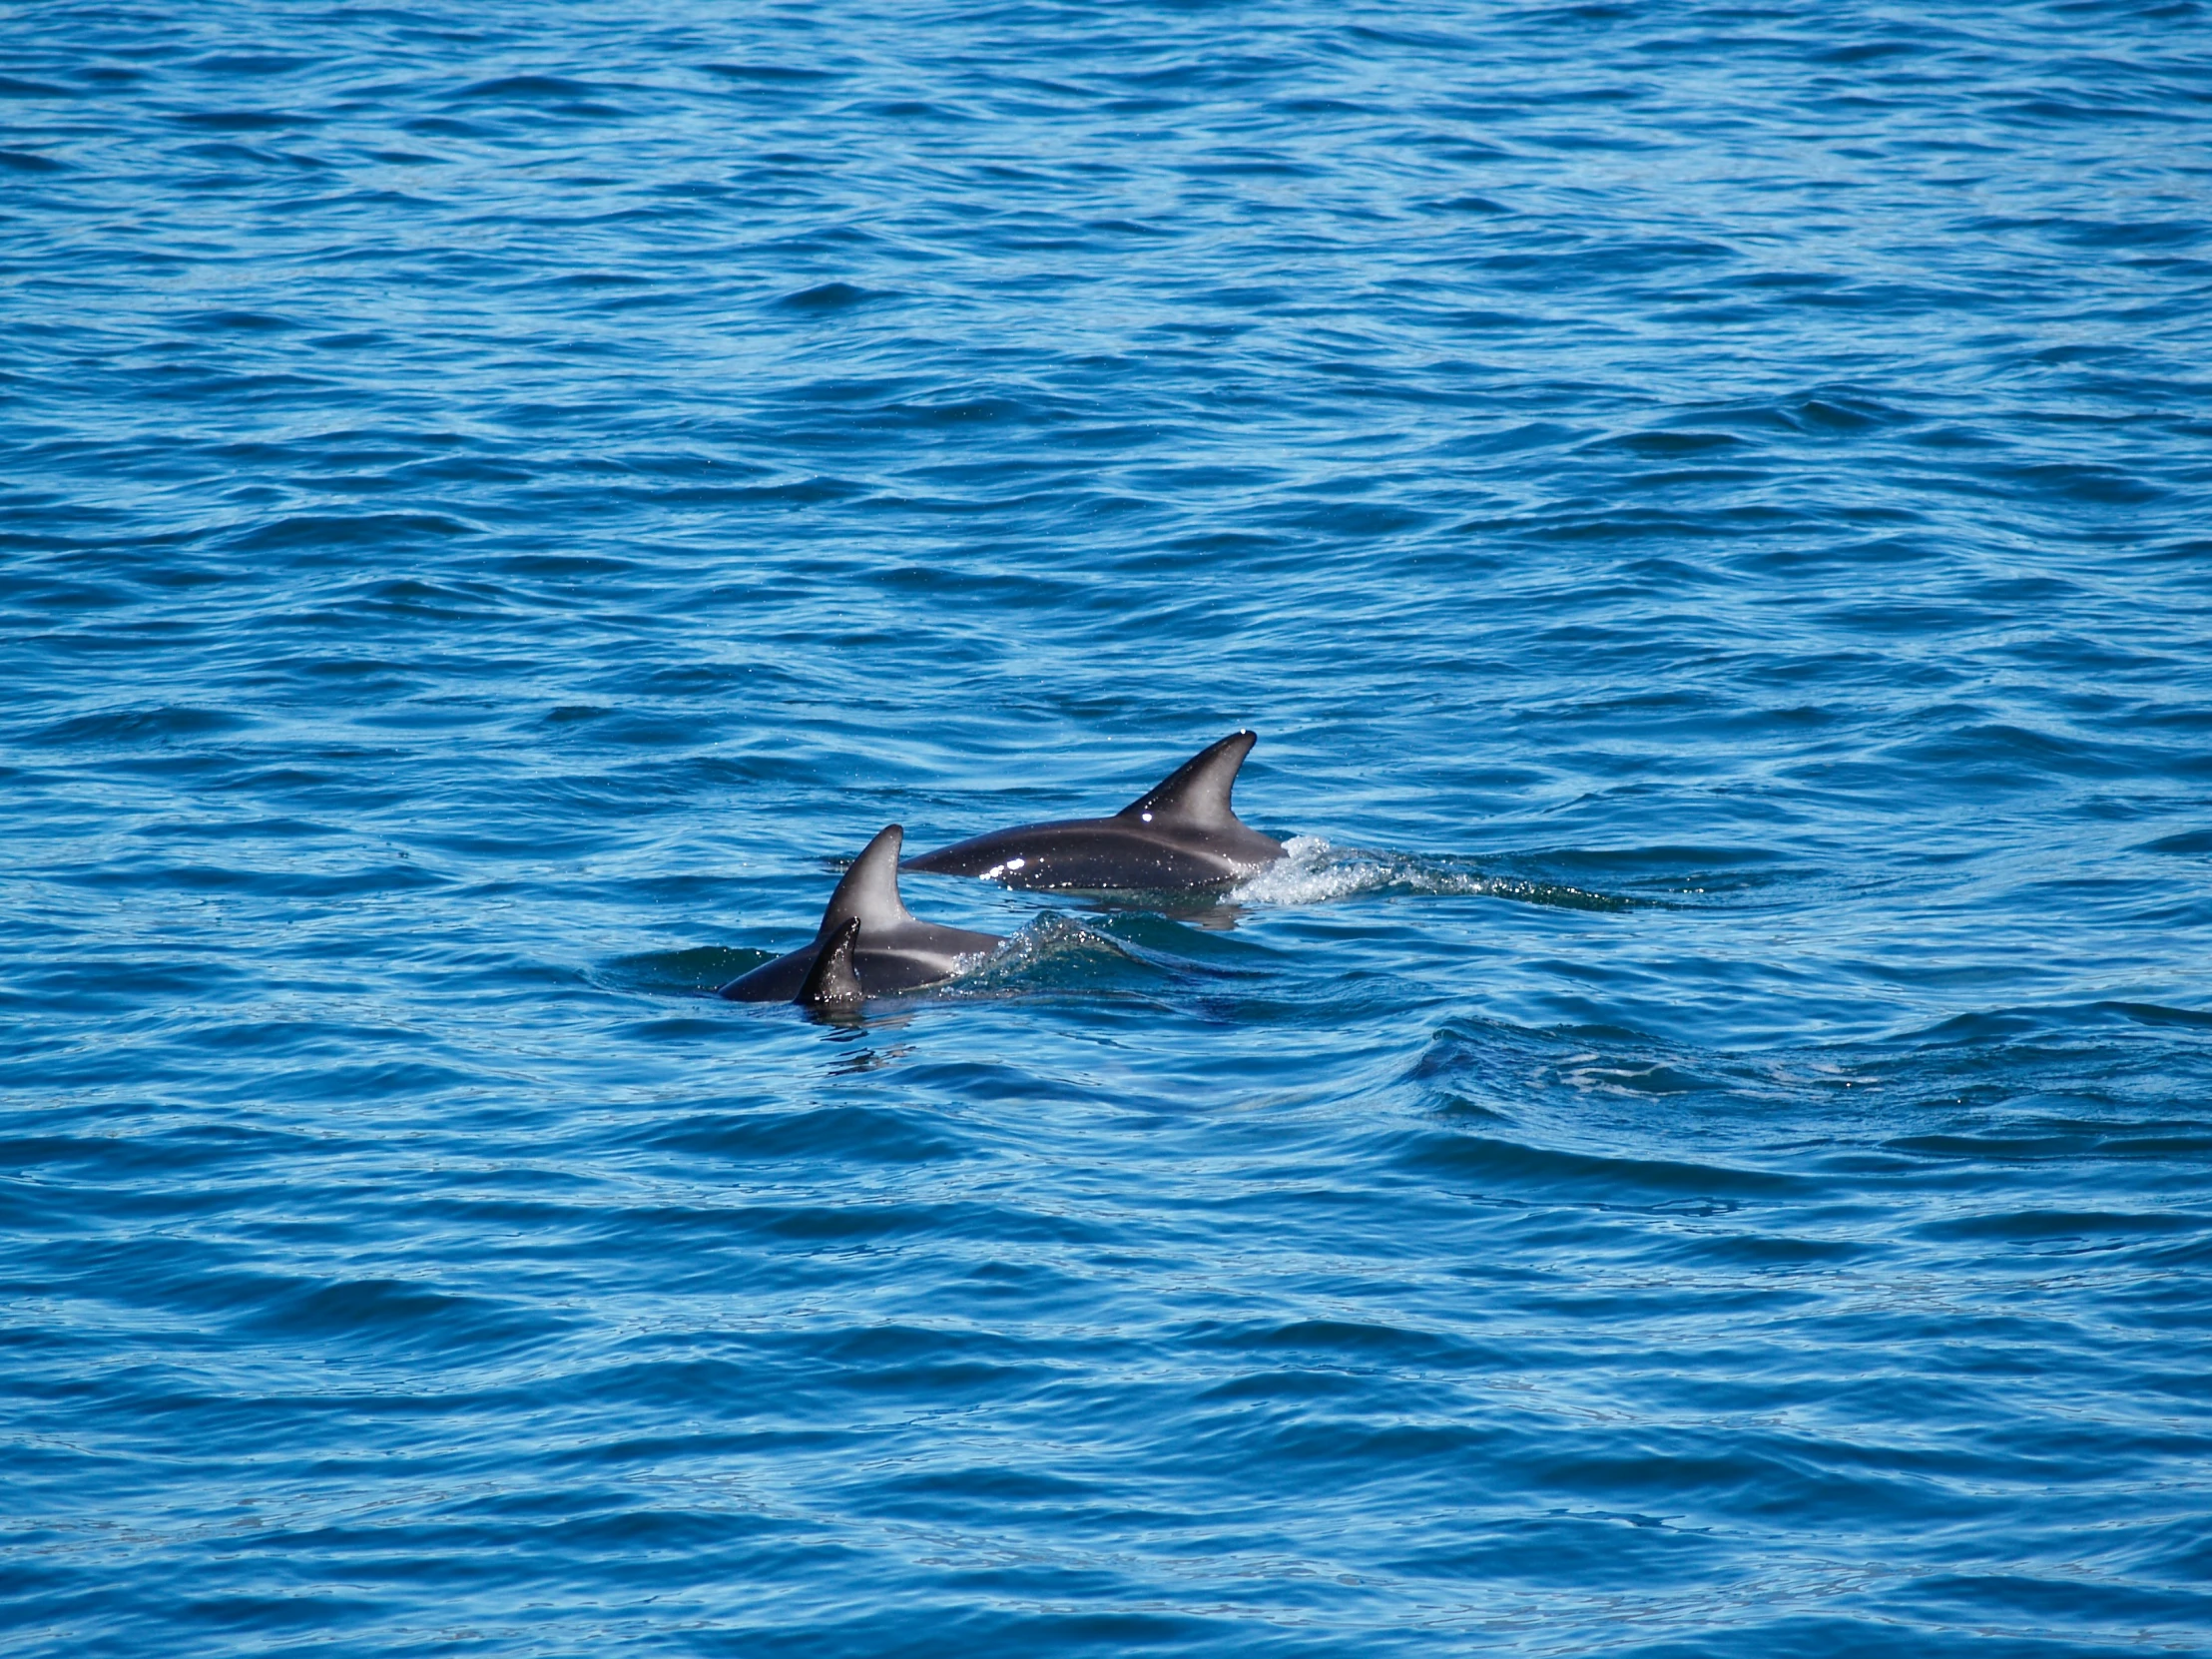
(833, 983)
(1194, 795)
(870, 892)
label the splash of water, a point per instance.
(1052, 950)
(1314, 871)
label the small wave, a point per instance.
(1314, 872)
(1053, 952)
(697, 972)
(828, 296)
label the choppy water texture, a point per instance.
(1705, 1148)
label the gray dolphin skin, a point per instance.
(893, 951)
(831, 984)
(1180, 833)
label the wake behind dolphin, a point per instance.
(1181, 834)
(1180, 837)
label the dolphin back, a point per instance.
(1179, 835)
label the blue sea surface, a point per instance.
(1705, 1146)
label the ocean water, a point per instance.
(1705, 1147)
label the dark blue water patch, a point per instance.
(137, 726)
(252, 62)
(2194, 843)
(831, 1133)
(240, 323)
(769, 74)
(389, 1314)
(525, 88)
(241, 121)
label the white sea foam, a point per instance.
(1314, 871)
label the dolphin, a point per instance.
(1179, 833)
(892, 950)
(832, 985)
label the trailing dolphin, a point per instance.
(892, 950)
(1179, 833)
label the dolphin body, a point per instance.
(1179, 833)
(891, 949)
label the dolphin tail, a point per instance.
(833, 983)
(870, 892)
(1194, 795)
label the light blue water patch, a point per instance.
(1701, 1148)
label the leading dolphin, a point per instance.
(893, 950)
(1179, 833)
